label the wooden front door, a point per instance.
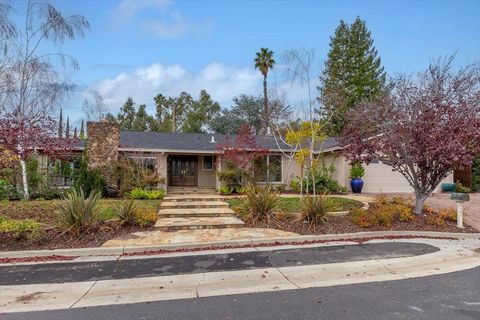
(182, 170)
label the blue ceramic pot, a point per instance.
(356, 184)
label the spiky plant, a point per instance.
(314, 209)
(126, 211)
(79, 213)
(259, 203)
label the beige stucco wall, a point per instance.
(290, 170)
(378, 177)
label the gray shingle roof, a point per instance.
(193, 141)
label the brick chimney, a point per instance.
(103, 139)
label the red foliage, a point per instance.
(24, 135)
(424, 128)
(241, 150)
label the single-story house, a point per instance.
(192, 159)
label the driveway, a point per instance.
(471, 208)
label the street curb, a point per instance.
(119, 251)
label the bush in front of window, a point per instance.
(142, 194)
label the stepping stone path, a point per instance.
(195, 208)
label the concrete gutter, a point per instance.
(252, 242)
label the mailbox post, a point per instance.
(460, 198)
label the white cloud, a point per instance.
(127, 9)
(223, 82)
(157, 18)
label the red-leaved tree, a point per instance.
(239, 152)
(23, 136)
(424, 128)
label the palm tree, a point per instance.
(264, 62)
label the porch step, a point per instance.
(202, 212)
(193, 197)
(170, 224)
(190, 191)
(193, 204)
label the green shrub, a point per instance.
(280, 188)
(145, 218)
(20, 228)
(80, 213)
(323, 183)
(126, 211)
(314, 209)
(142, 194)
(88, 180)
(240, 190)
(357, 171)
(259, 203)
(48, 194)
(7, 191)
(476, 175)
(225, 190)
(460, 188)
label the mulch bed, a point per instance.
(344, 224)
(56, 239)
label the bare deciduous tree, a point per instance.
(34, 81)
(96, 109)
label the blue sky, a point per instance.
(140, 48)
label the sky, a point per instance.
(140, 48)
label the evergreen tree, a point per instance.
(75, 133)
(353, 72)
(200, 113)
(127, 115)
(142, 120)
(247, 110)
(60, 124)
(67, 128)
(82, 131)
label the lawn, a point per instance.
(46, 211)
(292, 205)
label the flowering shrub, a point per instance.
(383, 213)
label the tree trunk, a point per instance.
(174, 118)
(26, 194)
(265, 102)
(419, 202)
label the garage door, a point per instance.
(379, 177)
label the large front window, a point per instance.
(268, 169)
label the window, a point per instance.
(268, 169)
(208, 162)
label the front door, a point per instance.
(182, 170)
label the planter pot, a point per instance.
(356, 184)
(448, 187)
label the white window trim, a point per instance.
(203, 163)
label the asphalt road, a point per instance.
(453, 296)
(163, 266)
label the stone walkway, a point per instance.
(195, 215)
(195, 211)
